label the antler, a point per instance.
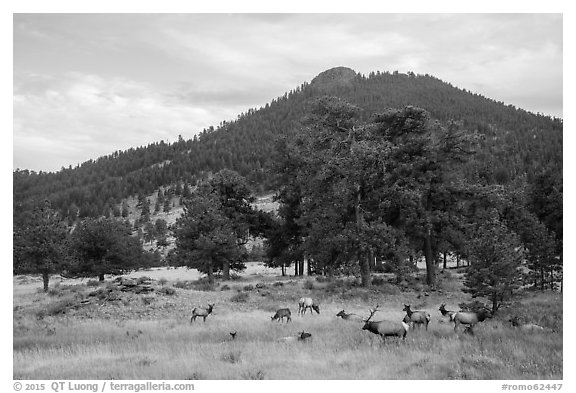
(372, 312)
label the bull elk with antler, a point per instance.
(385, 328)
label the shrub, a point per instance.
(167, 291)
(143, 280)
(162, 281)
(225, 288)
(183, 284)
(254, 375)
(378, 281)
(235, 276)
(203, 286)
(308, 284)
(92, 283)
(249, 287)
(278, 284)
(322, 278)
(240, 297)
(231, 357)
(260, 285)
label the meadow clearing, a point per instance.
(86, 330)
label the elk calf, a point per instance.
(305, 303)
(281, 314)
(201, 312)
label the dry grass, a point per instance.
(134, 340)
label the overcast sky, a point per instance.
(86, 85)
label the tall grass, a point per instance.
(98, 344)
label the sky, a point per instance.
(86, 85)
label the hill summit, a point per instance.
(337, 76)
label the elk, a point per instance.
(305, 303)
(351, 316)
(233, 335)
(446, 313)
(385, 328)
(417, 317)
(527, 327)
(201, 312)
(470, 318)
(303, 336)
(281, 314)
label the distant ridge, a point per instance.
(516, 144)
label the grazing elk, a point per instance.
(446, 313)
(201, 312)
(305, 303)
(417, 317)
(470, 318)
(281, 314)
(527, 327)
(349, 317)
(385, 328)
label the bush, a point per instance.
(240, 297)
(278, 284)
(225, 288)
(92, 283)
(183, 284)
(378, 281)
(322, 278)
(249, 287)
(162, 281)
(167, 291)
(143, 280)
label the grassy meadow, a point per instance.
(76, 332)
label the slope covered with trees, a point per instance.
(516, 143)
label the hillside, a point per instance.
(517, 144)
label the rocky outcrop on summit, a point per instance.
(337, 76)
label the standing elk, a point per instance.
(201, 312)
(385, 328)
(281, 314)
(417, 317)
(446, 313)
(470, 318)
(305, 303)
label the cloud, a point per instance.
(84, 116)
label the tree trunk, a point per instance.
(444, 264)
(295, 268)
(365, 270)
(283, 269)
(309, 266)
(457, 260)
(101, 277)
(541, 278)
(226, 270)
(301, 268)
(210, 273)
(45, 279)
(430, 261)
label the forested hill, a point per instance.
(517, 143)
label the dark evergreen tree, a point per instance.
(38, 243)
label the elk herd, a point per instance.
(384, 328)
